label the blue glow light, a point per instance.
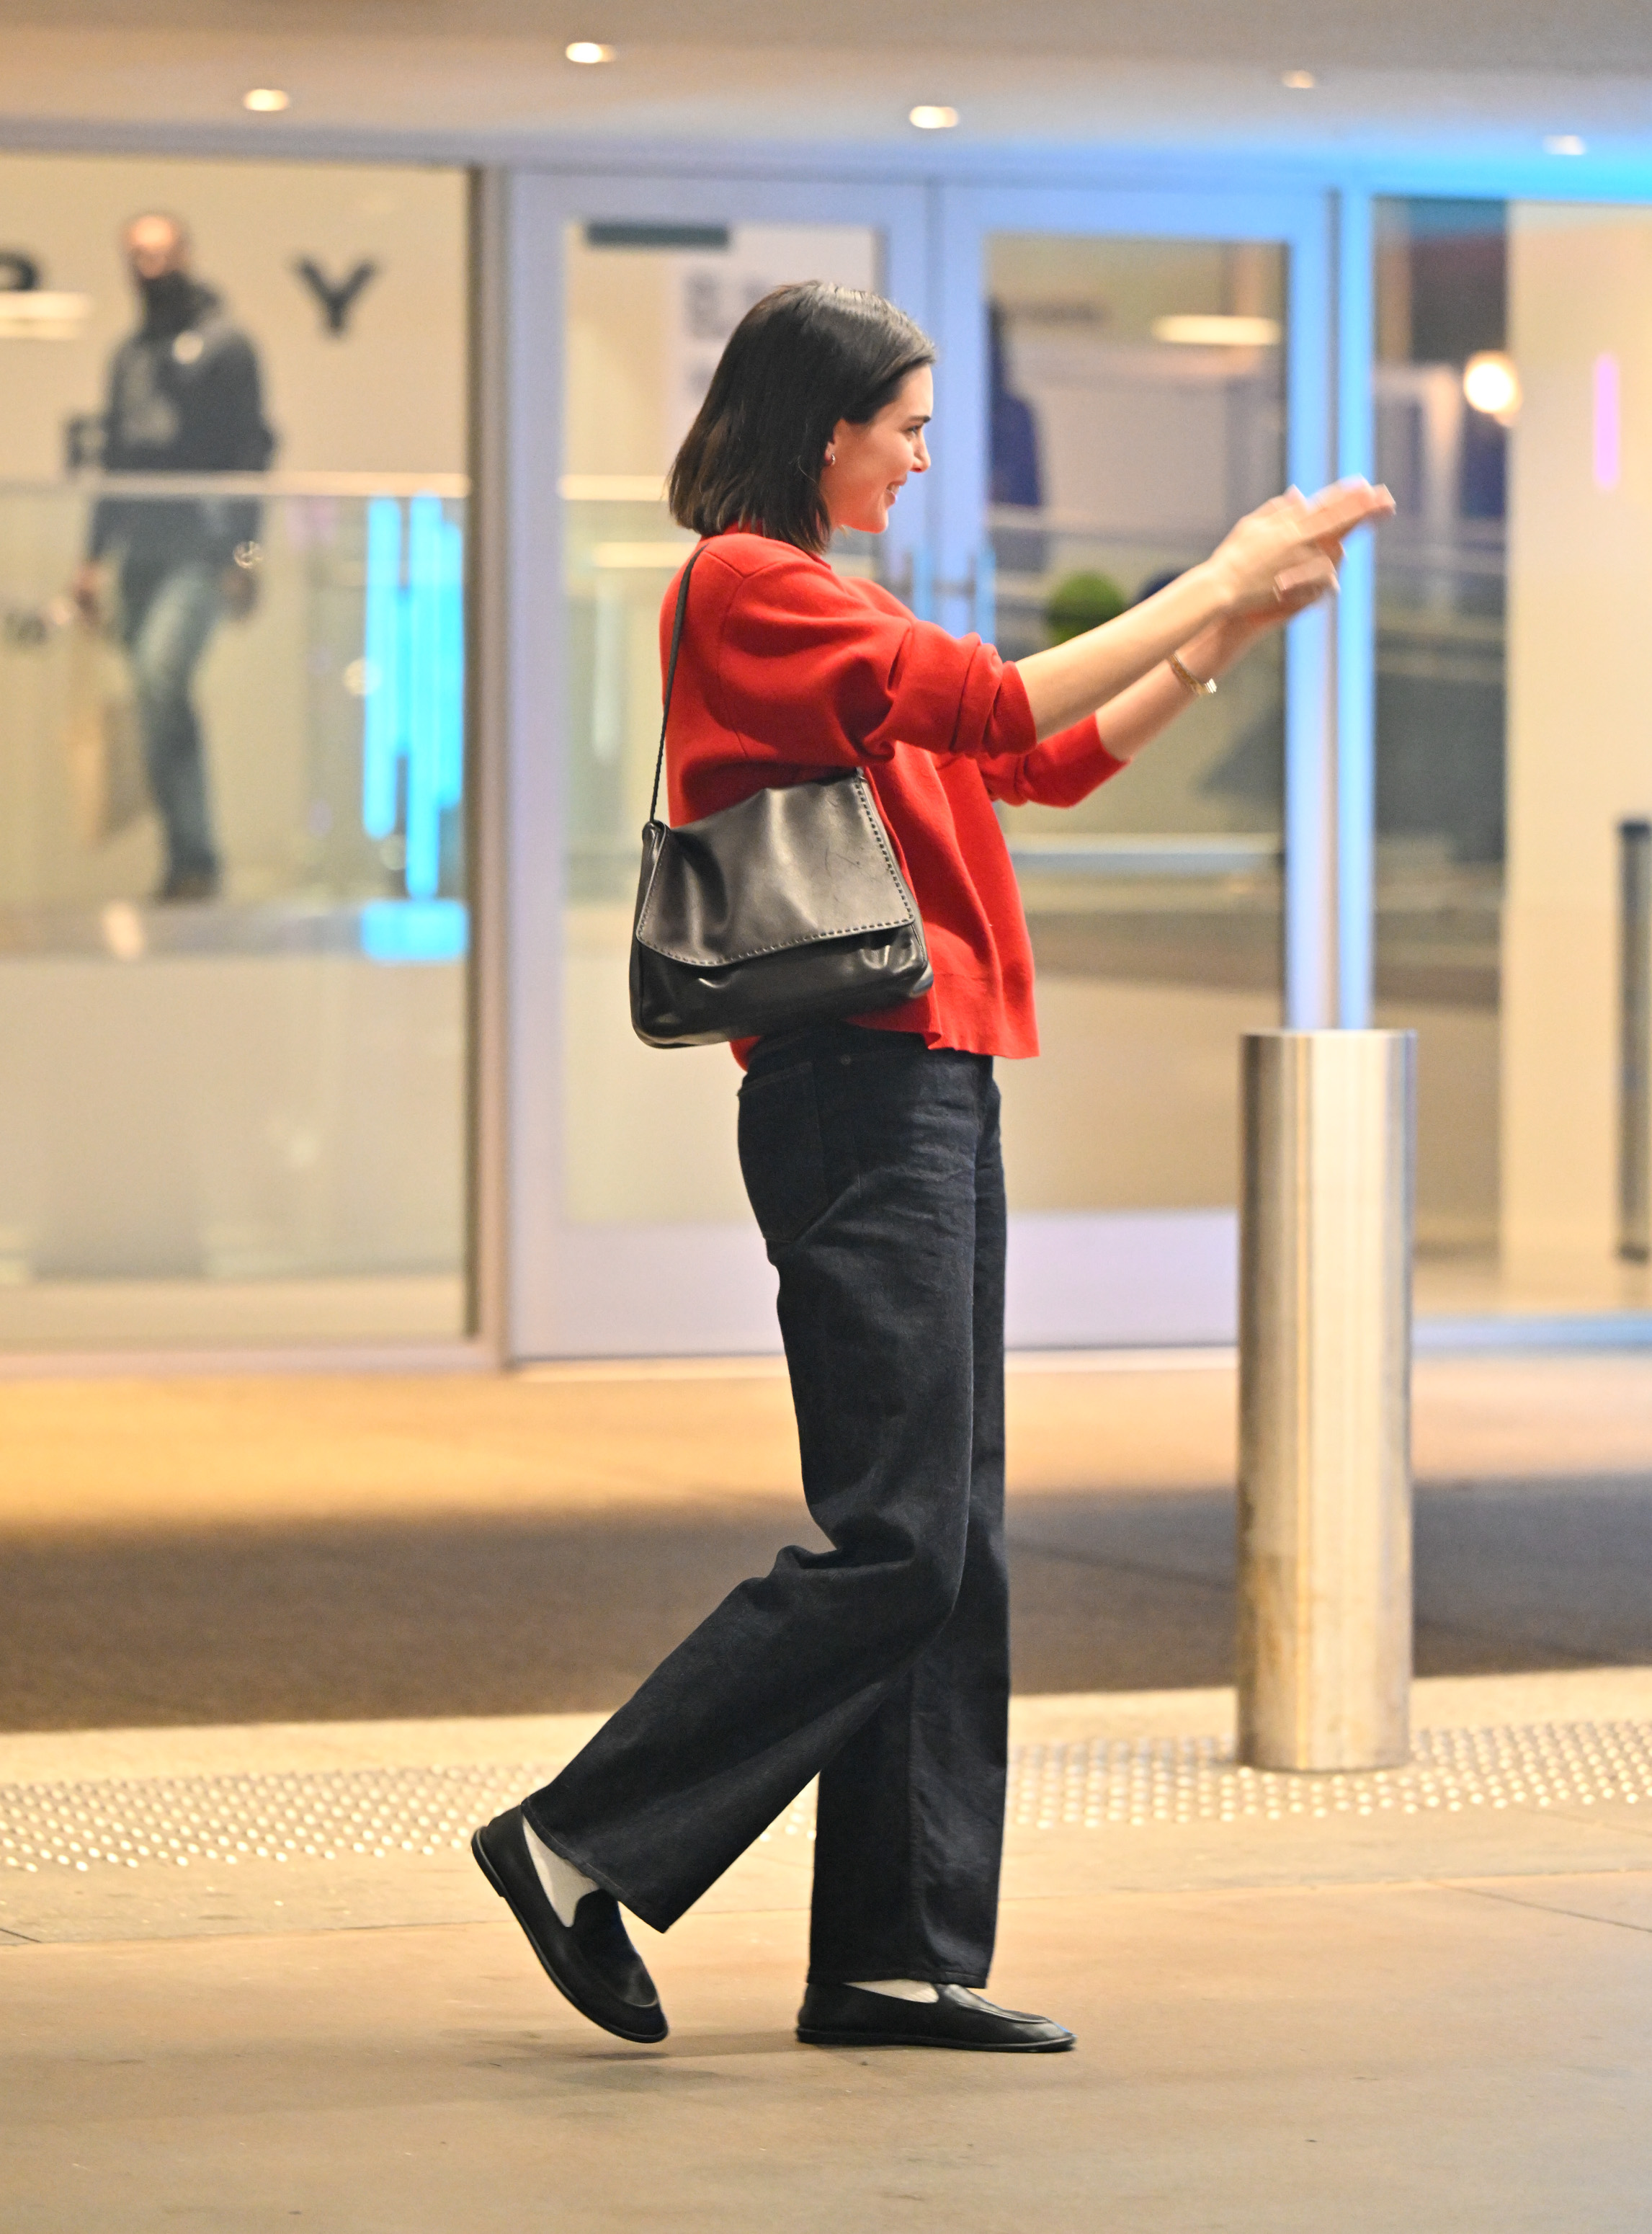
(414, 930)
(382, 680)
(413, 662)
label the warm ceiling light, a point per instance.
(1565, 143)
(929, 119)
(1196, 331)
(35, 314)
(1300, 81)
(588, 51)
(1492, 385)
(266, 99)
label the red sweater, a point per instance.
(787, 668)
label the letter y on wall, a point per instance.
(336, 302)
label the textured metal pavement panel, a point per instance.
(1104, 1782)
(1087, 1784)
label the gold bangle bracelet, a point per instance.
(1189, 681)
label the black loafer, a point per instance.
(848, 2016)
(591, 1960)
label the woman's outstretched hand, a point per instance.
(1284, 555)
(1278, 559)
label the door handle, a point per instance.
(917, 586)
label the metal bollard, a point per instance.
(1634, 1042)
(1325, 1400)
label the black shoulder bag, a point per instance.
(789, 908)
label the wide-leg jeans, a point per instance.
(881, 1665)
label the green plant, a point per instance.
(1082, 602)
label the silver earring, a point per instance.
(832, 457)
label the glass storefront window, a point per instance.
(1441, 564)
(1137, 409)
(233, 906)
(1512, 426)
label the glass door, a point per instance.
(1119, 376)
(636, 1237)
(1142, 369)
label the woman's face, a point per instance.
(867, 465)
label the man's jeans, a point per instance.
(882, 1665)
(168, 615)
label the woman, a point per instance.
(871, 1155)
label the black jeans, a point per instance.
(882, 1665)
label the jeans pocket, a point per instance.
(782, 1158)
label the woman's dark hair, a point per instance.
(800, 360)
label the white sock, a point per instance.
(898, 1990)
(564, 1886)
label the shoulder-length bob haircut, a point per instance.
(800, 360)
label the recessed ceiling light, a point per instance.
(588, 51)
(1300, 81)
(931, 119)
(266, 99)
(1196, 329)
(1565, 143)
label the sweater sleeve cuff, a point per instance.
(1065, 768)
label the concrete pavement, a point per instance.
(1387, 2006)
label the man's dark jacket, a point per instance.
(184, 398)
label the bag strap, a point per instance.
(670, 678)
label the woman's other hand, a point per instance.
(1284, 556)
(1226, 642)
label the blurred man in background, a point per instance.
(184, 397)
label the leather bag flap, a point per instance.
(785, 867)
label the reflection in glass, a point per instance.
(1137, 408)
